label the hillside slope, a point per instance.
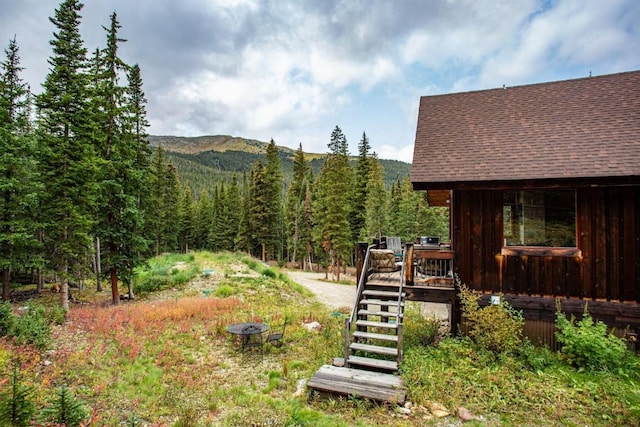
(205, 161)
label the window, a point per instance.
(540, 218)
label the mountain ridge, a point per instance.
(203, 162)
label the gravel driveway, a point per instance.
(333, 295)
(336, 296)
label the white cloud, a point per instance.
(292, 70)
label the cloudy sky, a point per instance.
(292, 70)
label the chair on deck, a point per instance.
(252, 338)
(394, 243)
(276, 336)
(383, 261)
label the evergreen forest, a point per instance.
(85, 194)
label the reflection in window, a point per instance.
(540, 218)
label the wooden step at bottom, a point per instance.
(389, 365)
(377, 349)
(374, 336)
(372, 324)
(355, 382)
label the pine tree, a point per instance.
(135, 244)
(259, 216)
(65, 409)
(394, 210)
(68, 158)
(331, 211)
(245, 229)
(120, 217)
(16, 404)
(273, 206)
(298, 235)
(217, 212)
(203, 221)
(186, 221)
(18, 178)
(169, 205)
(157, 183)
(230, 215)
(408, 211)
(362, 170)
(432, 220)
(376, 205)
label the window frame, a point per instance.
(524, 250)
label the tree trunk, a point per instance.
(6, 288)
(40, 280)
(64, 285)
(130, 288)
(98, 266)
(115, 297)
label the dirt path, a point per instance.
(333, 295)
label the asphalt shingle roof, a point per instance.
(584, 128)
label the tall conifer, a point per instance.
(297, 231)
(363, 167)
(273, 205)
(262, 234)
(376, 203)
(331, 212)
(18, 178)
(68, 155)
(120, 147)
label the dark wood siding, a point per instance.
(608, 269)
(609, 225)
(477, 236)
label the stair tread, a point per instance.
(378, 349)
(381, 302)
(375, 363)
(371, 292)
(379, 313)
(374, 324)
(375, 336)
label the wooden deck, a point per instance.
(347, 381)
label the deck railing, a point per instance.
(431, 265)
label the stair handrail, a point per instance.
(349, 320)
(400, 307)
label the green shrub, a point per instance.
(587, 345)
(16, 406)
(269, 272)
(57, 315)
(419, 329)
(536, 358)
(33, 327)
(224, 291)
(152, 283)
(497, 327)
(7, 319)
(251, 263)
(65, 409)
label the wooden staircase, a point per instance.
(373, 349)
(376, 343)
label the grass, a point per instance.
(166, 360)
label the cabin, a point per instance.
(542, 183)
(543, 186)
